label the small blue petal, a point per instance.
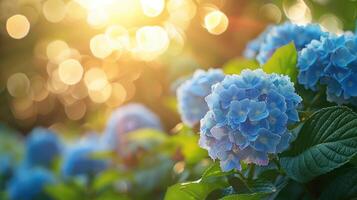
(257, 111)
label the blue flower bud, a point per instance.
(251, 122)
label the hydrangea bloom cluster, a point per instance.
(127, 119)
(79, 160)
(253, 47)
(248, 117)
(332, 61)
(191, 95)
(42, 147)
(281, 35)
(29, 184)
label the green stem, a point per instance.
(314, 100)
(251, 171)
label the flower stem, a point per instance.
(251, 172)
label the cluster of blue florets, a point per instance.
(80, 160)
(28, 184)
(127, 119)
(248, 117)
(191, 94)
(332, 61)
(281, 35)
(42, 147)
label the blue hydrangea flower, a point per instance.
(191, 94)
(253, 47)
(28, 184)
(280, 35)
(79, 160)
(332, 61)
(127, 119)
(42, 147)
(251, 122)
(6, 165)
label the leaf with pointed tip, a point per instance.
(327, 140)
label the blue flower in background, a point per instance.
(276, 36)
(29, 184)
(191, 94)
(251, 122)
(127, 119)
(253, 47)
(6, 165)
(80, 161)
(332, 61)
(42, 147)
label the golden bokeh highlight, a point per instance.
(54, 10)
(100, 46)
(55, 49)
(102, 95)
(18, 26)
(18, 85)
(152, 41)
(74, 11)
(298, 12)
(118, 95)
(76, 111)
(55, 84)
(117, 37)
(216, 22)
(152, 8)
(79, 91)
(95, 79)
(70, 71)
(39, 90)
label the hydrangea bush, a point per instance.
(191, 95)
(331, 62)
(248, 117)
(260, 135)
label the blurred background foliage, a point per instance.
(33, 93)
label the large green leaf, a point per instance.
(236, 65)
(254, 196)
(327, 140)
(342, 187)
(211, 180)
(283, 61)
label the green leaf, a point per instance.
(254, 196)
(62, 191)
(235, 66)
(283, 61)
(106, 178)
(196, 190)
(327, 140)
(243, 186)
(146, 138)
(342, 187)
(187, 142)
(190, 191)
(214, 171)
